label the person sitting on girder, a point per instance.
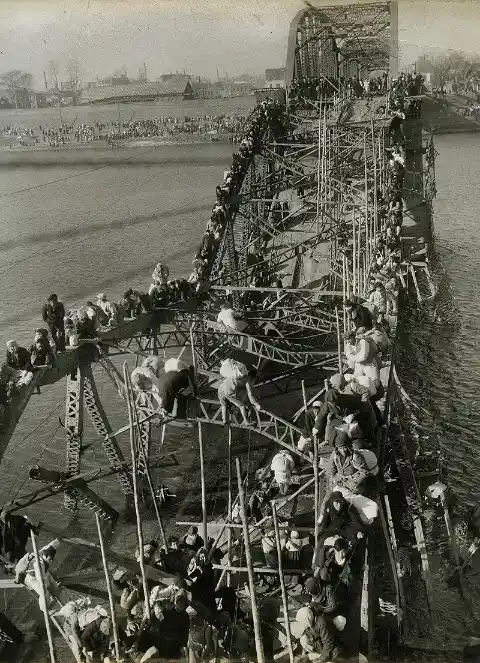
(41, 353)
(339, 405)
(339, 518)
(28, 574)
(366, 356)
(135, 303)
(360, 315)
(111, 309)
(18, 357)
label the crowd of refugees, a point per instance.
(344, 428)
(305, 91)
(65, 134)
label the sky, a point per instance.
(199, 36)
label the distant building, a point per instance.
(425, 67)
(145, 91)
(14, 97)
(275, 78)
(114, 80)
(201, 89)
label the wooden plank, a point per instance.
(422, 549)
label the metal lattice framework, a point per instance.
(343, 41)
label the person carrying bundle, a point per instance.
(366, 355)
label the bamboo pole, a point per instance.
(282, 583)
(43, 597)
(144, 458)
(339, 342)
(319, 167)
(367, 234)
(109, 589)
(344, 279)
(375, 188)
(200, 448)
(203, 486)
(130, 406)
(354, 252)
(251, 577)
(229, 505)
(262, 570)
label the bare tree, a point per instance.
(53, 71)
(17, 79)
(74, 71)
(441, 68)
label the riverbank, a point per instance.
(16, 154)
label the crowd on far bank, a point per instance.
(168, 127)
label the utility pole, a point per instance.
(45, 79)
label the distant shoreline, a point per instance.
(67, 153)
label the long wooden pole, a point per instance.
(282, 583)
(144, 458)
(200, 448)
(43, 597)
(109, 589)
(354, 252)
(339, 342)
(367, 233)
(202, 484)
(248, 557)
(133, 453)
(229, 505)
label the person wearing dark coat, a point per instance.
(15, 533)
(340, 516)
(53, 313)
(171, 384)
(193, 541)
(41, 354)
(360, 315)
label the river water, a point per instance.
(443, 371)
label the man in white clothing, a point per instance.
(282, 466)
(228, 319)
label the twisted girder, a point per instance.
(266, 423)
(73, 429)
(260, 348)
(104, 430)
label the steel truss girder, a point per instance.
(260, 348)
(104, 430)
(73, 428)
(85, 496)
(267, 424)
